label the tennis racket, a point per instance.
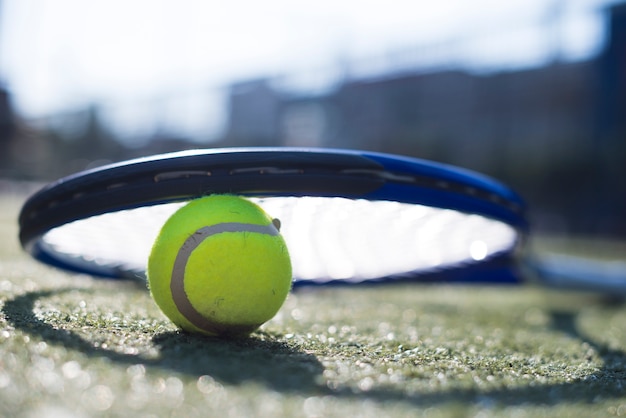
(347, 216)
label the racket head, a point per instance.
(352, 191)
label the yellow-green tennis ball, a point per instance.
(219, 266)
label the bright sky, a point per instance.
(62, 54)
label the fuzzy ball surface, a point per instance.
(219, 266)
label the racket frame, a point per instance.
(273, 172)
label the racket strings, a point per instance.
(357, 240)
(328, 238)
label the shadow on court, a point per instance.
(234, 361)
(263, 360)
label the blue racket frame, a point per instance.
(267, 172)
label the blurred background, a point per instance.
(532, 92)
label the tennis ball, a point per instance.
(219, 266)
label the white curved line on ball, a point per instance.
(177, 285)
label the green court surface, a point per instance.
(73, 346)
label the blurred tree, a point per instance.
(85, 142)
(7, 128)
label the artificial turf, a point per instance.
(73, 346)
